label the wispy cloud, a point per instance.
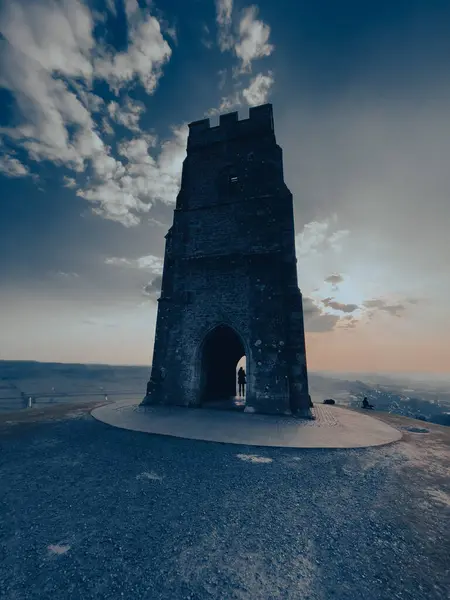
(248, 40)
(339, 306)
(69, 182)
(258, 90)
(12, 167)
(144, 58)
(49, 61)
(316, 320)
(256, 93)
(64, 275)
(153, 264)
(206, 37)
(128, 114)
(122, 190)
(224, 9)
(335, 279)
(111, 6)
(153, 288)
(317, 236)
(348, 322)
(150, 262)
(154, 221)
(378, 304)
(253, 41)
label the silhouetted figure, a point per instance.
(365, 403)
(242, 380)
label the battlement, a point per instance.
(259, 122)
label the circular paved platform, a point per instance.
(334, 427)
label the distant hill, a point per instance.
(49, 383)
(59, 382)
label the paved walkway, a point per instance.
(334, 427)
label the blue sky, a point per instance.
(95, 98)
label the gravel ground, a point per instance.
(90, 511)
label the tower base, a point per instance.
(147, 401)
(301, 407)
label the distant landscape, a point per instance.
(419, 396)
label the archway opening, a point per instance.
(221, 352)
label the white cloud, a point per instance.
(311, 238)
(205, 39)
(256, 93)
(12, 167)
(253, 39)
(65, 275)
(227, 104)
(128, 114)
(224, 9)
(91, 101)
(143, 60)
(122, 190)
(42, 43)
(316, 237)
(119, 262)
(106, 127)
(154, 221)
(172, 33)
(222, 73)
(259, 89)
(131, 8)
(111, 6)
(154, 264)
(48, 60)
(69, 182)
(335, 240)
(54, 37)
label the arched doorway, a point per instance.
(221, 351)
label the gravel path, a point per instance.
(90, 511)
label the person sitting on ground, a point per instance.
(365, 403)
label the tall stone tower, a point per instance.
(229, 285)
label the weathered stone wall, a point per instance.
(230, 259)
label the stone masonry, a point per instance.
(229, 285)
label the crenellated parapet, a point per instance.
(259, 123)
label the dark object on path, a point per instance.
(329, 401)
(365, 404)
(416, 429)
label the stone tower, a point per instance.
(229, 285)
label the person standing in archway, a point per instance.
(242, 380)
